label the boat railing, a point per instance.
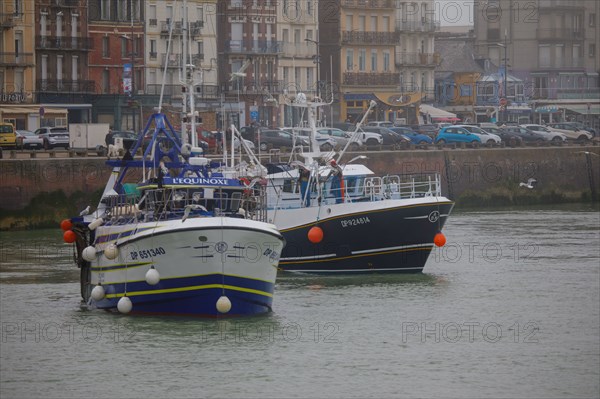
(172, 203)
(403, 186)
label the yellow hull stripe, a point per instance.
(192, 288)
(355, 256)
(195, 275)
(363, 213)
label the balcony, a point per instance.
(194, 28)
(14, 60)
(255, 87)
(171, 60)
(253, 47)
(63, 43)
(153, 55)
(372, 38)
(371, 79)
(152, 22)
(66, 86)
(64, 3)
(203, 92)
(298, 49)
(417, 59)
(197, 59)
(559, 34)
(417, 26)
(581, 93)
(7, 21)
(368, 4)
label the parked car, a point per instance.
(389, 137)
(571, 131)
(511, 139)
(325, 142)
(547, 134)
(8, 137)
(278, 138)
(54, 137)
(380, 123)
(428, 130)
(581, 126)
(454, 134)
(28, 139)
(485, 136)
(341, 137)
(525, 134)
(345, 126)
(414, 137)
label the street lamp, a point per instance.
(505, 46)
(317, 61)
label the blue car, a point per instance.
(414, 137)
(455, 134)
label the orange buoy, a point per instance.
(439, 239)
(66, 225)
(69, 236)
(315, 234)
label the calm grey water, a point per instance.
(509, 308)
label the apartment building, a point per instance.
(116, 31)
(164, 22)
(297, 26)
(17, 63)
(552, 45)
(248, 53)
(379, 50)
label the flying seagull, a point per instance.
(530, 183)
(86, 211)
(188, 209)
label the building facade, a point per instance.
(116, 31)
(17, 64)
(248, 54)
(551, 45)
(297, 27)
(380, 51)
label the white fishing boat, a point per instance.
(175, 233)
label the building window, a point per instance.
(349, 59)
(74, 68)
(123, 47)
(373, 60)
(386, 61)
(592, 50)
(105, 9)
(105, 82)
(592, 19)
(544, 56)
(105, 52)
(59, 70)
(19, 80)
(349, 22)
(362, 55)
(559, 52)
(374, 23)
(309, 7)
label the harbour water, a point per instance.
(510, 307)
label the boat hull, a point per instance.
(198, 262)
(382, 236)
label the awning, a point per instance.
(31, 109)
(399, 99)
(594, 109)
(547, 109)
(437, 114)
